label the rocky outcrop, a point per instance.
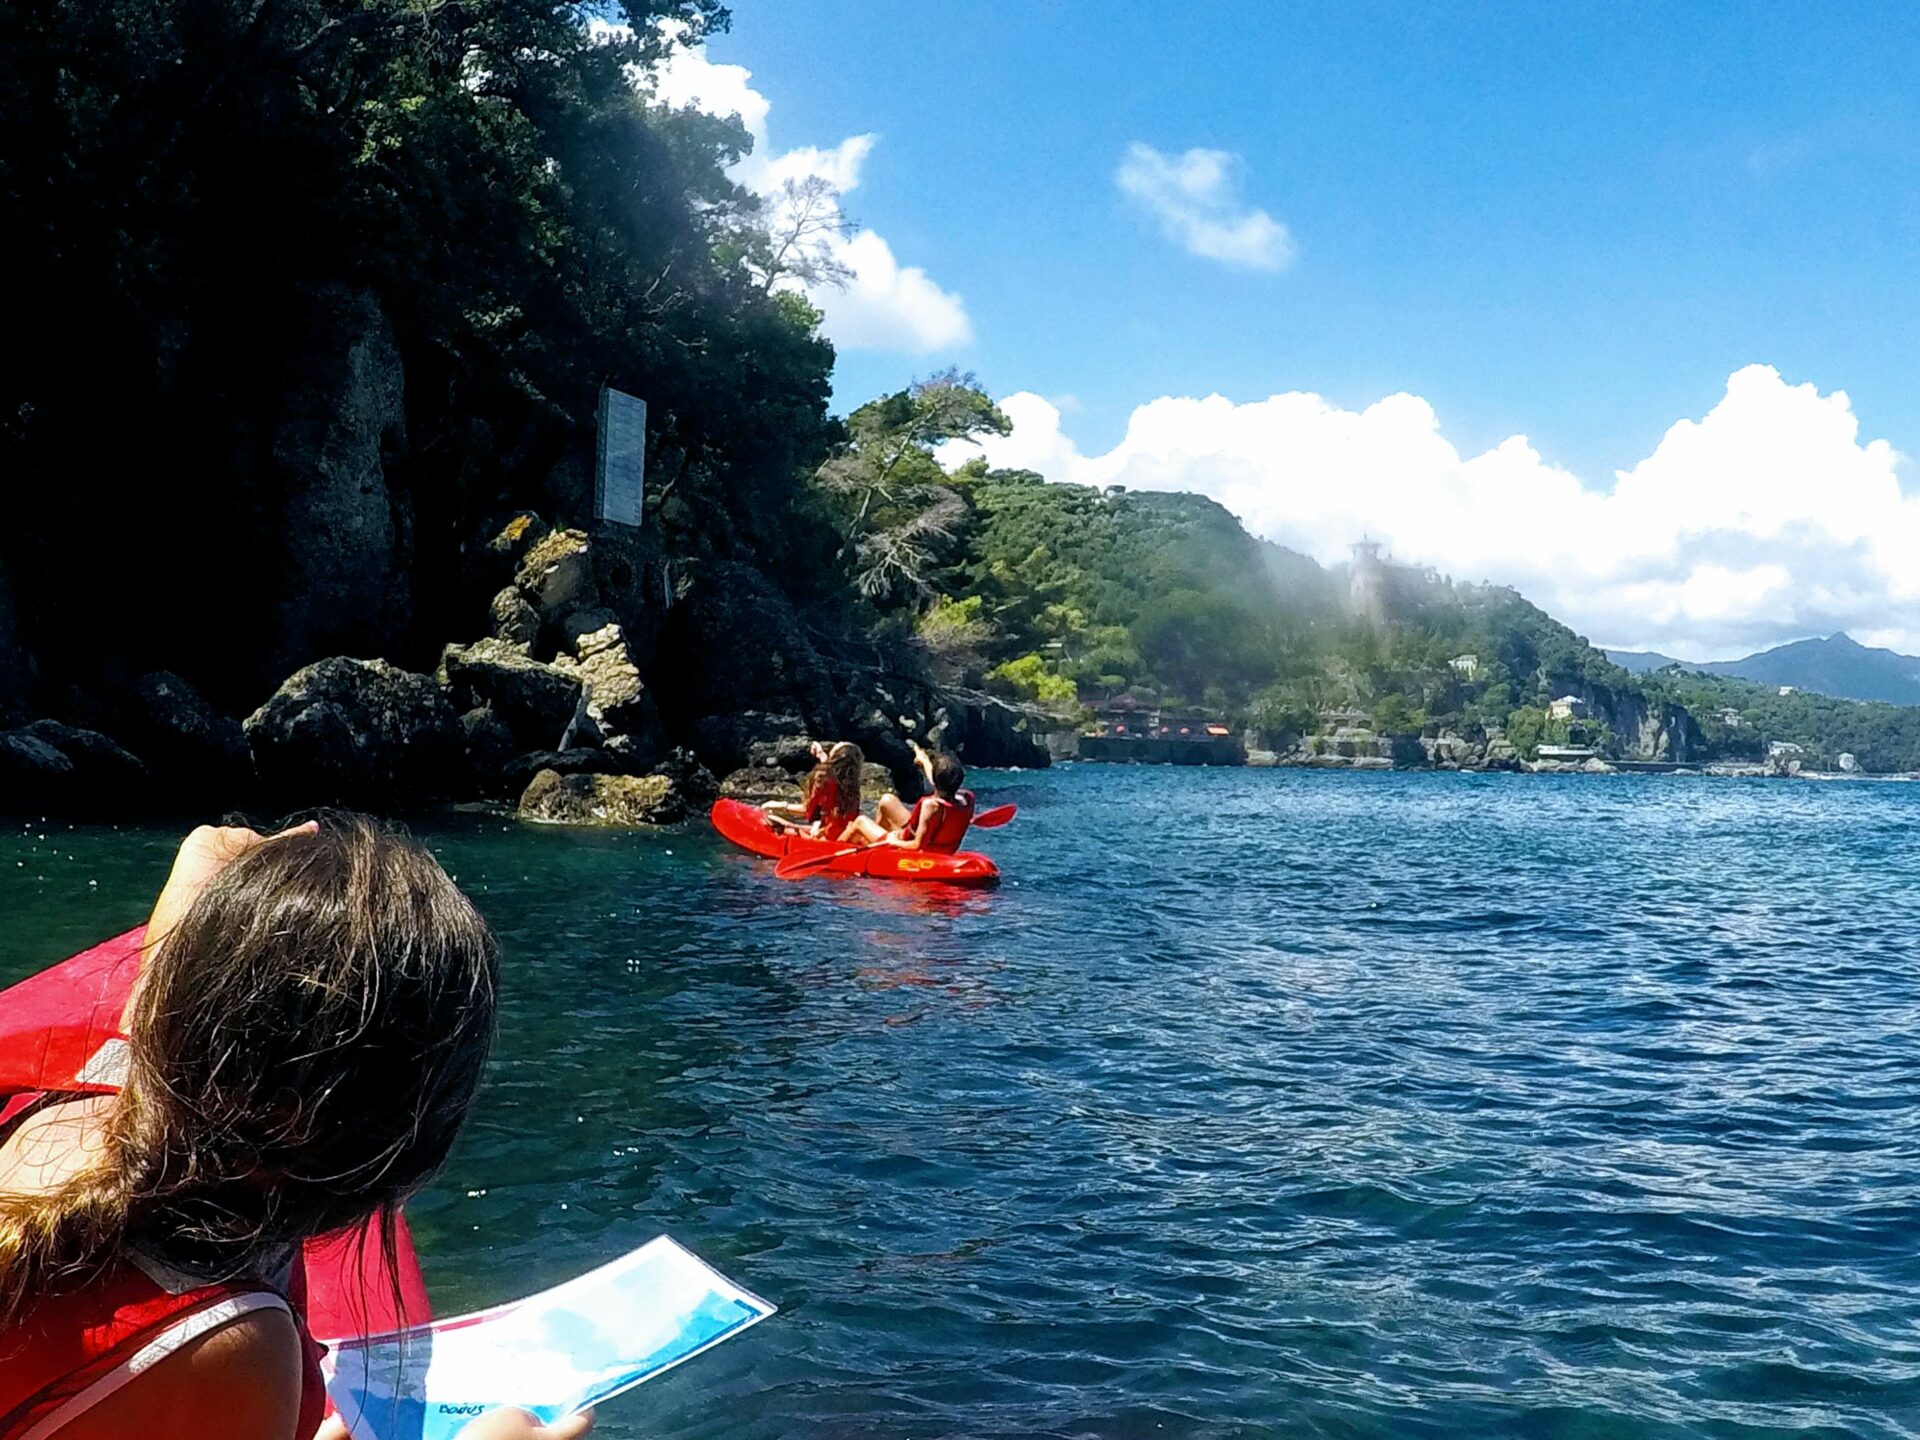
(48, 766)
(515, 622)
(358, 732)
(556, 575)
(627, 800)
(615, 698)
(339, 571)
(534, 701)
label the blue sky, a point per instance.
(1568, 223)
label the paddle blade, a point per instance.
(795, 866)
(994, 818)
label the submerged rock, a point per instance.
(358, 732)
(556, 799)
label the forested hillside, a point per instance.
(1070, 597)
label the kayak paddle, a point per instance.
(996, 817)
(795, 866)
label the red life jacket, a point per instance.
(60, 1035)
(951, 819)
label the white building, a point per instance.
(1567, 707)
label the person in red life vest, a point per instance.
(829, 796)
(937, 821)
(309, 1024)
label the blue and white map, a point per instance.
(550, 1354)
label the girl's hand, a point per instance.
(203, 855)
(519, 1425)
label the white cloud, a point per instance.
(886, 305)
(1196, 199)
(1765, 520)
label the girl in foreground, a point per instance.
(306, 1034)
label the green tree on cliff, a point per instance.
(893, 498)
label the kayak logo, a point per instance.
(914, 866)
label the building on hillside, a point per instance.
(1567, 707)
(1465, 666)
(1127, 730)
(1848, 762)
(1731, 718)
(1788, 689)
(1784, 749)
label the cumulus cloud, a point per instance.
(1765, 520)
(1195, 198)
(885, 305)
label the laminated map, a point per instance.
(550, 1354)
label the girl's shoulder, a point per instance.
(53, 1143)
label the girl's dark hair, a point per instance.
(948, 777)
(842, 765)
(304, 1045)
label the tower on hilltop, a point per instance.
(1367, 582)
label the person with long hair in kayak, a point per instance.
(305, 1035)
(829, 796)
(937, 821)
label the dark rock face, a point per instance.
(558, 799)
(726, 742)
(343, 538)
(533, 700)
(491, 749)
(358, 732)
(195, 757)
(984, 730)
(16, 670)
(692, 779)
(732, 644)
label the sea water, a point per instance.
(1253, 1103)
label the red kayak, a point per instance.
(748, 827)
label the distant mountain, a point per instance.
(1639, 662)
(1839, 666)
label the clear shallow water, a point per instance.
(1257, 1102)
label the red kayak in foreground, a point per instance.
(748, 827)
